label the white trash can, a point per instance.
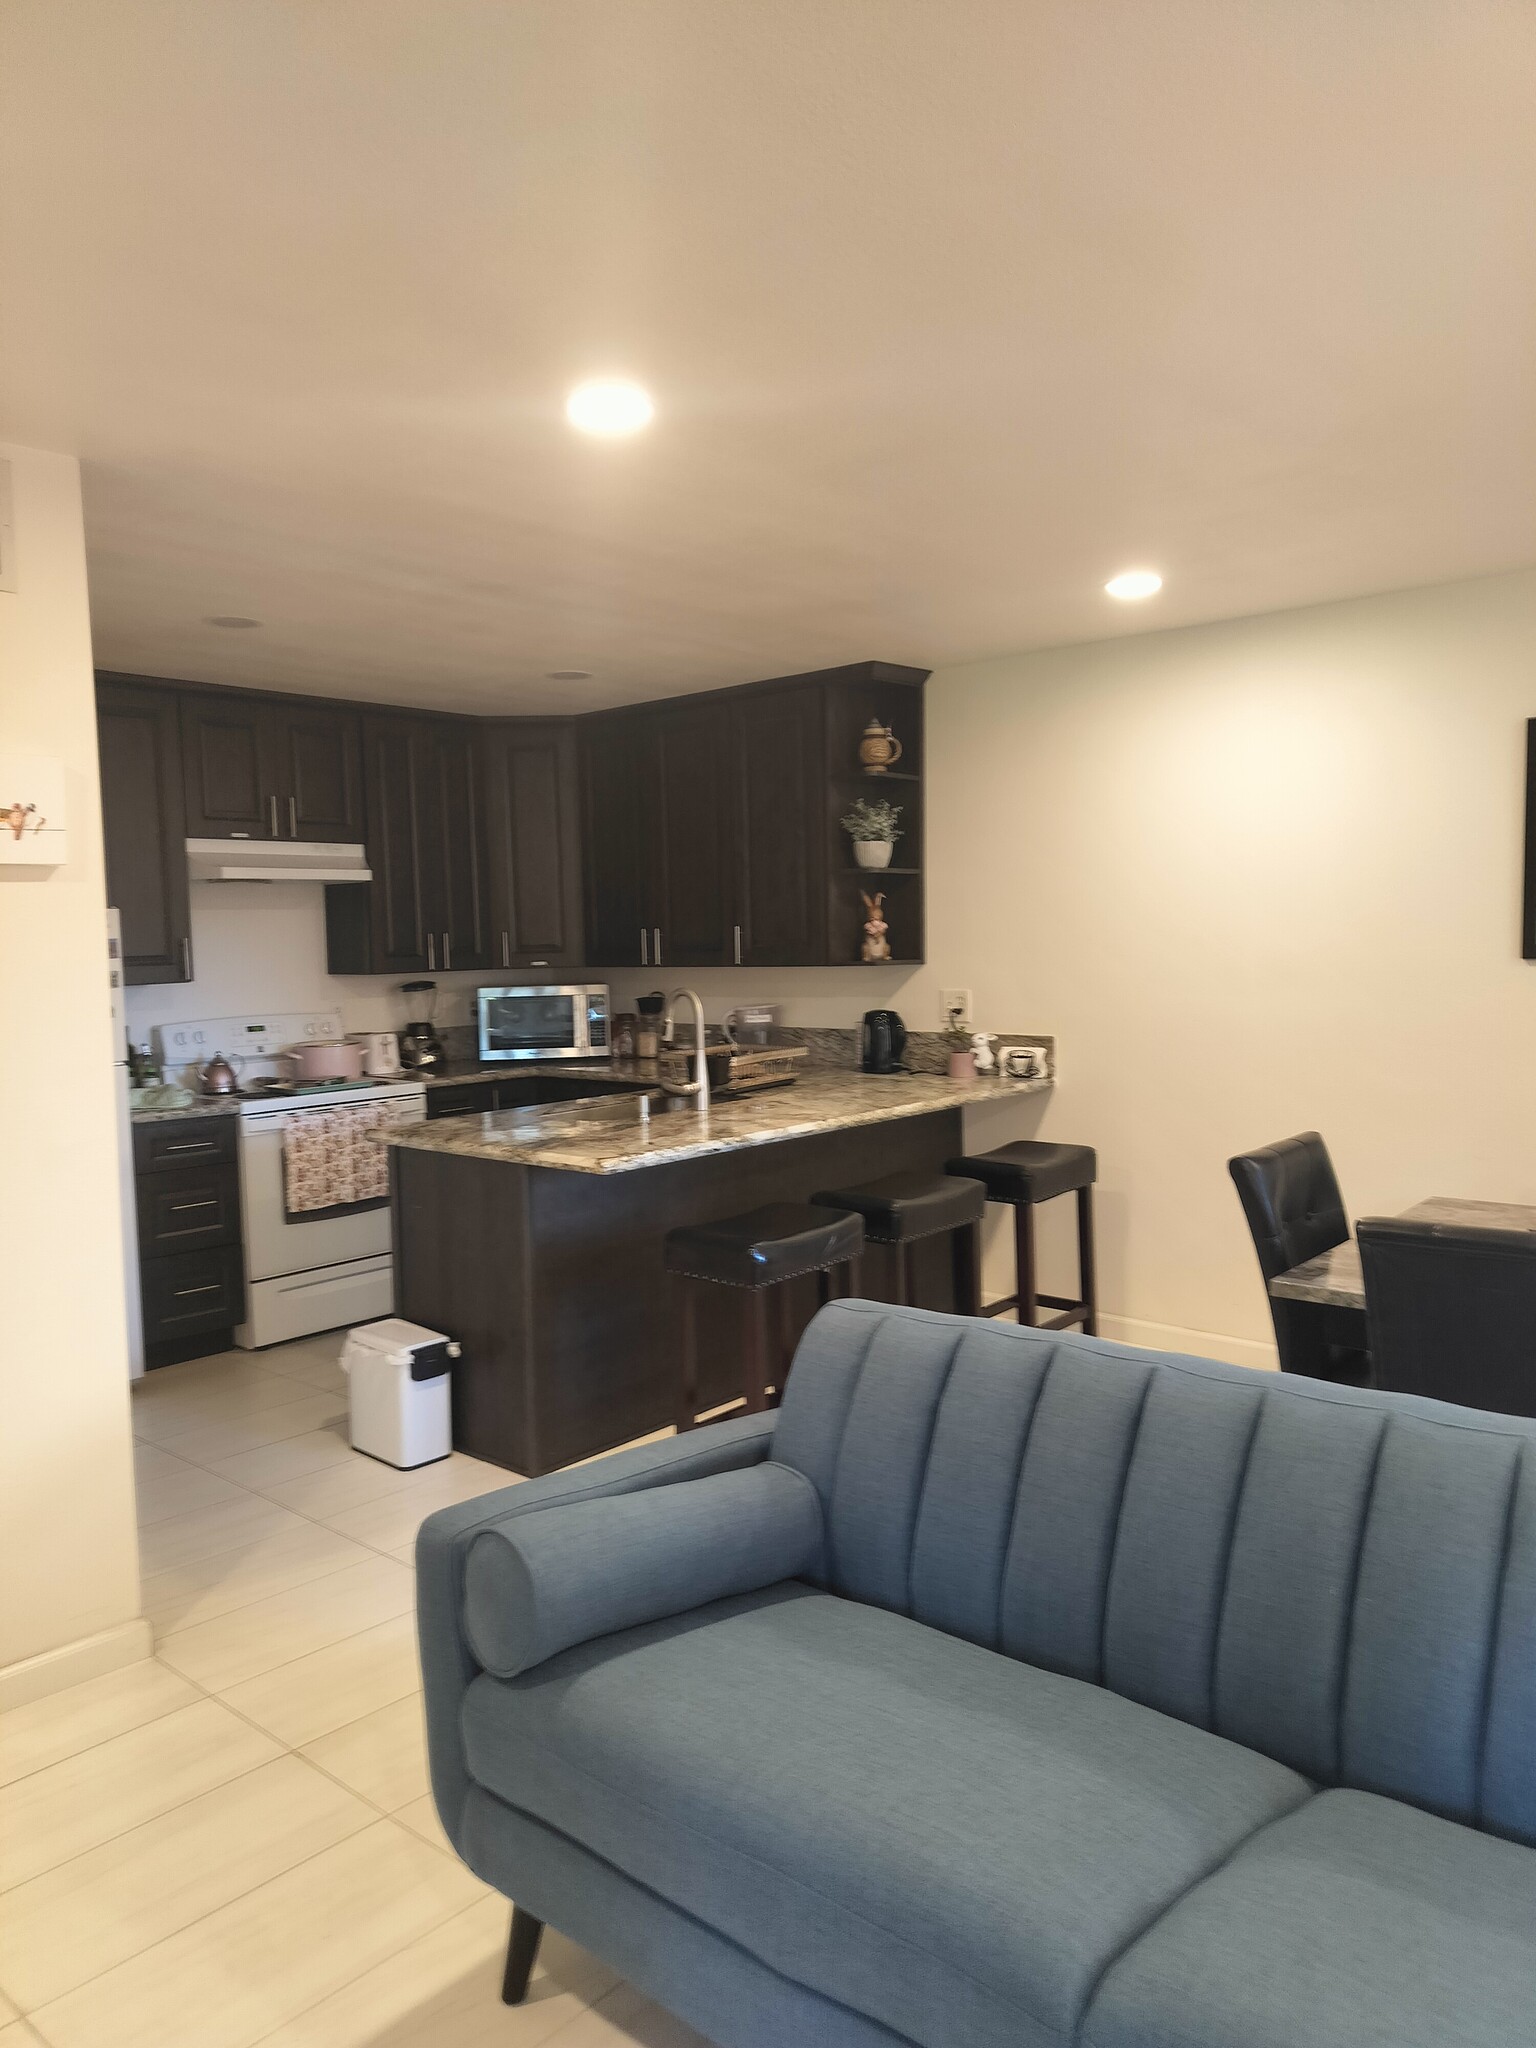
(398, 1376)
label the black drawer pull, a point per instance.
(181, 1208)
(194, 1145)
(213, 1287)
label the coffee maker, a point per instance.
(882, 1041)
(420, 1046)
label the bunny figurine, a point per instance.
(876, 945)
(981, 1045)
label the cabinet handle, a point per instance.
(538, 963)
(657, 931)
(645, 958)
(737, 929)
(447, 955)
(293, 817)
(272, 803)
(193, 1145)
(432, 951)
(506, 951)
(186, 958)
(213, 1287)
(181, 1208)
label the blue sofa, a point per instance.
(1008, 1689)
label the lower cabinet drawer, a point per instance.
(195, 1209)
(192, 1292)
(460, 1098)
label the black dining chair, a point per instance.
(1290, 1195)
(1452, 1311)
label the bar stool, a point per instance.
(1024, 1175)
(901, 1208)
(759, 1251)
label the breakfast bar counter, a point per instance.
(534, 1237)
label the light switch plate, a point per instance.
(950, 1000)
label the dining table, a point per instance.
(1334, 1278)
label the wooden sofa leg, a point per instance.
(522, 1948)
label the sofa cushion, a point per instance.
(948, 1841)
(1353, 1921)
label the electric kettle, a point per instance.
(882, 1042)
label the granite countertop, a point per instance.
(200, 1105)
(640, 1072)
(608, 1135)
(1334, 1278)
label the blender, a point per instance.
(420, 1045)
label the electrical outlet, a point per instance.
(951, 1000)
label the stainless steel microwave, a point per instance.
(569, 1023)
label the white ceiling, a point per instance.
(950, 309)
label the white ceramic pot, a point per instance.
(873, 853)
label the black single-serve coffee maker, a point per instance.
(882, 1042)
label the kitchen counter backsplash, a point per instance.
(927, 1051)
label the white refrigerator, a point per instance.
(128, 1200)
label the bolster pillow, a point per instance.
(538, 1583)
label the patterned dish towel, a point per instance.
(329, 1161)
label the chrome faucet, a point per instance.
(699, 1085)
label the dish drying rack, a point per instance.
(767, 1066)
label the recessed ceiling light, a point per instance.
(1132, 584)
(569, 675)
(609, 406)
(230, 619)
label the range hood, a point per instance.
(275, 860)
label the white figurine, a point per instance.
(981, 1045)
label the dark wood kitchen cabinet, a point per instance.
(425, 909)
(696, 916)
(191, 1271)
(779, 764)
(533, 831)
(618, 769)
(144, 828)
(261, 767)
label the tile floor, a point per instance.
(234, 1843)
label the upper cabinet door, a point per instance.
(145, 829)
(453, 850)
(315, 769)
(698, 915)
(225, 752)
(534, 876)
(781, 807)
(397, 772)
(618, 763)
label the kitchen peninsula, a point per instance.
(535, 1236)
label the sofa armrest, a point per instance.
(448, 1662)
(535, 1585)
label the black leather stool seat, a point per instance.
(763, 1246)
(1030, 1171)
(904, 1206)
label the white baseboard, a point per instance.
(1202, 1343)
(72, 1663)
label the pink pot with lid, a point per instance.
(326, 1060)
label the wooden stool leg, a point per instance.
(853, 1277)
(1024, 1253)
(687, 1312)
(965, 1258)
(786, 1345)
(898, 1274)
(1086, 1280)
(826, 1286)
(758, 1349)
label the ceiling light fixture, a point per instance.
(230, 619)
(609, 407)
(1132, 584)
(568, 675)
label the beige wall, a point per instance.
(68, 1553)
(1257, 877)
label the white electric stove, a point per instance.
(302, 1274)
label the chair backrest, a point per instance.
(1343, 1579)
(1290, 1195)
(1452, 1311)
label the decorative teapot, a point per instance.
(879, 750)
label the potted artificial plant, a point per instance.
(871, 825)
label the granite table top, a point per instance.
(617, 1134)
(1334, 1278)
(200, 1105)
